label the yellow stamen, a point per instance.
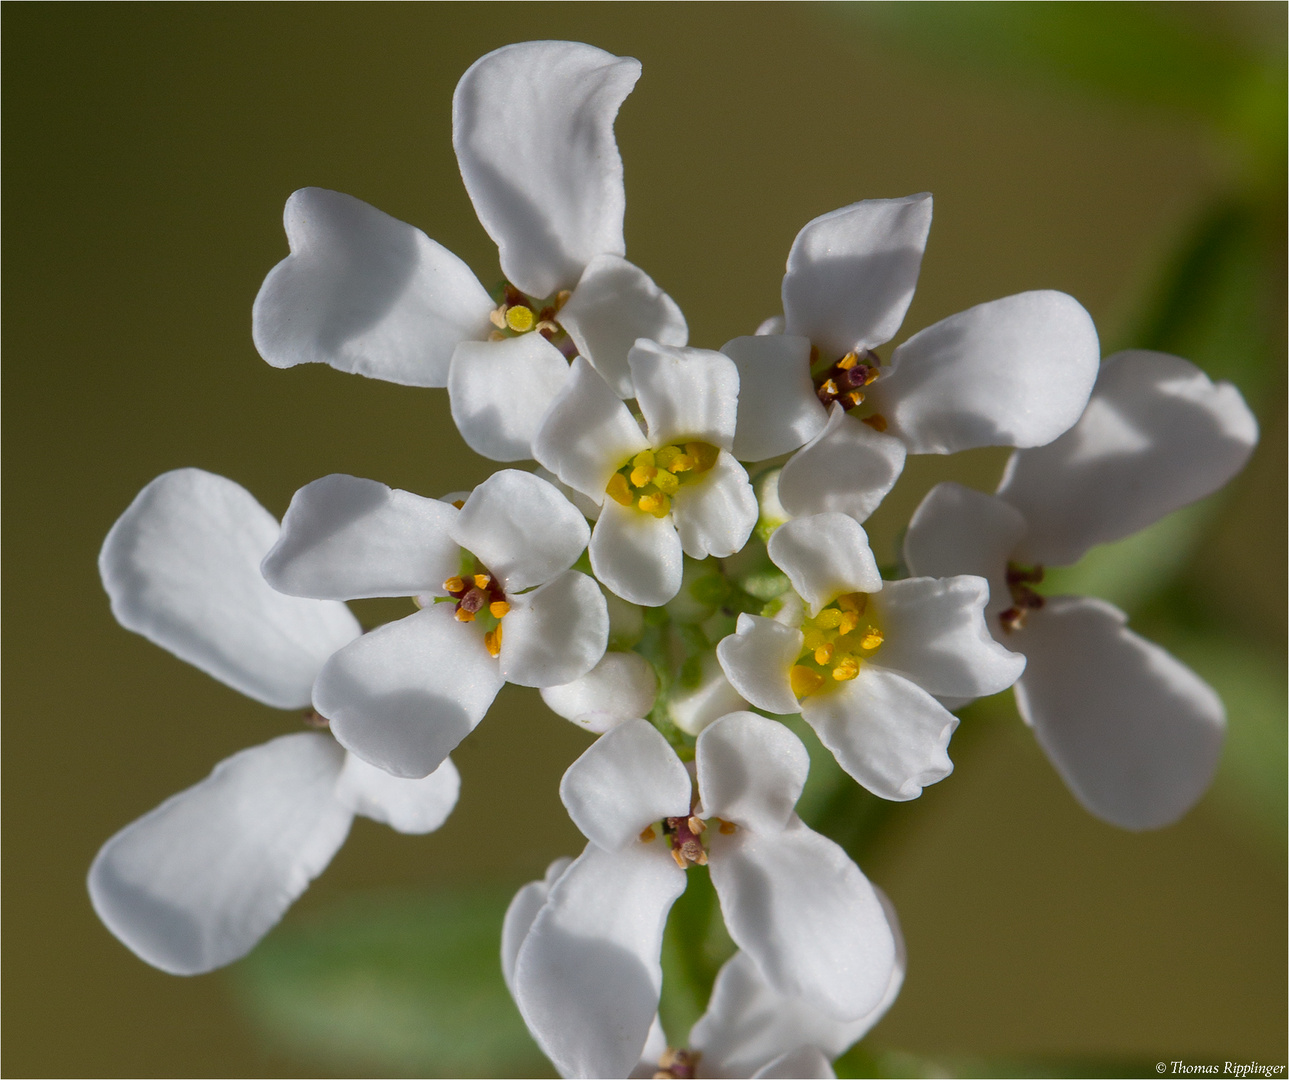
(482, 580)
(871, 377)
(847, 669)
(520, 318)
(848, 361)
(728, 827)
(680, 463)
(498, 609)
(562, 298)
(657, 504)
(849, 620)
(804, 681)
(642, 474)
(829, 387)
(464, 616)
(704, 455)
(644, 458)
(497, 316)
(619, 491)
(647, 835)
(458, 503)
(828, 619)
(666, 482)
(823, 654)
(853, 398)
(697, 825)
(852, 601)
(877, 422)
(815, 638)
(453, 584)
(873, 637)
(680, 859)
(492, 641)
(546, 327)
(665, 455)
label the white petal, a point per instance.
(936, 637)
(888, 733)
(556, 633)
(622, 686)
(522, 528)
(796, 904)
(366, 293)
(685, 394)
(848, 468)
(692, 710)
(588, 508)
(803, 1062)
(588, 434)
(636, 555)
(1157, 434)
(956, 530)
(500, 390)
(402, 696)
(655, 1046)
(852, 273)
(194, 884)
(615, 303)
(345, 537)
(1134, 733)
(1013, 372)
(520, 914)
(532, 125)
(778, 409)
(751, 771)
(715, 513)
(408, 806)
(824, 556)
(182, 567)
(588, 977)
(757, 658)
(628, 779)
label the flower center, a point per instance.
(479, 599)
(520, 314)
(677, 1065)
(844, 380)
(1024, 599)
(685, 836)
(837, 641)
(652, 477)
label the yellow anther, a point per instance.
(497, 316)
(619, 490)
(680, 859)
(853, 398)
(647, 835)
(847, 669)
(877, 422)
(644, 458)
(823, 654)
(642, 474)
(697, 825)
(453, 584)
(680, 463)
(804, 680)
(853, 601)
(815, 638)
(482, 580)
(666, 482)
(657, 504)
(728, 827)
(492, 641)
(829, 387)
(872, 638)
(849, 620)
(871, 377)
(704, 455)
(665, 455)
(562, 298)
(520, 318)
(498, 609)
(464, 616)
(848, 361)
(458, 503)
(496, 335)
(828, 619)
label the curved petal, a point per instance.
(500, 390)
(532, 125)
(692, 708)
(796, 904)
(628, 779)
(956, 530)
(636, 555)
(182, 567)
(194, 884)
(622, 686)
(556, 633)
(852, 273)
(402, 696)
(520, 914)
(588, 977)
(522, 528)
(1012, 372)
(936, 637)
(366, 293)
(587, 434)
(751, 771)
(407, 806)
(756, 659)
(344, 537)
(778, 409)
(1134, 733)
(685, 394)
(801, 1063)
(824, 556)
(614, 303)
(1157, 434)
(848, 468)
(716, 513)
(888, 733)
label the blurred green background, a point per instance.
(1130, 155)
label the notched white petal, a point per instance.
(520, 914)
(751, 771)
(365, 293)
(715, 513)
(778, 409)
(556, 633)
(636, 555)
(757, 658)
(685, 394)
(622, 686)
(824, 556)
(847, 468)
(407, 806)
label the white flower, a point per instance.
(674, 488)
(1135, 734)
(198, 881)
(1013, 372)
(587, 974)
(864, 660)
(533, 130)
(500, 604)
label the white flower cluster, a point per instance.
(695, 593)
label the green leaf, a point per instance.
(406, 984)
